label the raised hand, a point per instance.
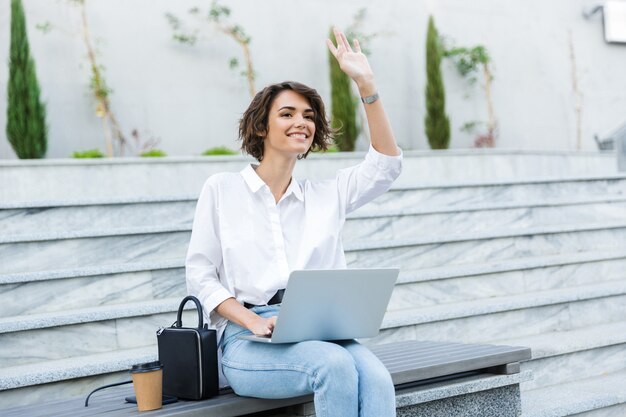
(351, 61)
(354, 63)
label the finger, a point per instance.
(345, 42)
(341, 40)
(357, 46)
(331, 47)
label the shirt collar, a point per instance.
(294, 187)
(255, 183)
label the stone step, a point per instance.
(448, 284)
(62, 216)
(106, 248)
(63, 378)
(72, 250)
(85, 287)
(18, 376)
(27, 223)
(47, 336)
(384, 225)
(469, 270)
(462, 288)
(369, 210)
(577, 365)
(508, 316)
(564, 356)
(88, 271)
(602, 395)
(378, 226)
(411, 291)
(69, 178)
(43, 337)
(478, 218)
(469, 193)
(476, 247)
(104, 286)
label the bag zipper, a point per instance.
(197, 333)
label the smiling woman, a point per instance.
(278, 107)
(252, 228)
(290, 117)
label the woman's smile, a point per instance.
(298, 136)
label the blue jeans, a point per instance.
(346, 378)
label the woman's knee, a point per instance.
(383, 384)
(373, 374)
(334, 364)
(377, 374)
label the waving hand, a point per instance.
(351, 61)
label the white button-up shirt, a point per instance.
(244, 244)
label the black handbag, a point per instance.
(189, 357)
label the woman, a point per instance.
(253, 227)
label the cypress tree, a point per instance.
(343, 105)
(26, 114)
(436, 123)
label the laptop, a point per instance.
(334, 304)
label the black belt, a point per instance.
(276, 299)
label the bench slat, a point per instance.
(419, 355)
(412, 359)
(415, 361)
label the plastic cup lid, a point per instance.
(146, 367)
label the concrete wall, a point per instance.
(191, 100)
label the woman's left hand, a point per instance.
(352, 62)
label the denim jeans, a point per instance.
(346, 378)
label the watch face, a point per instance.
(370, 99)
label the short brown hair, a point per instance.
(255, 119)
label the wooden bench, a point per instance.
(413, 365)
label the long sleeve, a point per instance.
(204, 255)
(364, 182)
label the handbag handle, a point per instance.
(179, 316)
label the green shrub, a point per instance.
(343, 105)
(436, 122)
(153, 153)
(26, 115)
(332, 148)
(91, 153)
(219, 150)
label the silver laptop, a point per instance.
(332, 304)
